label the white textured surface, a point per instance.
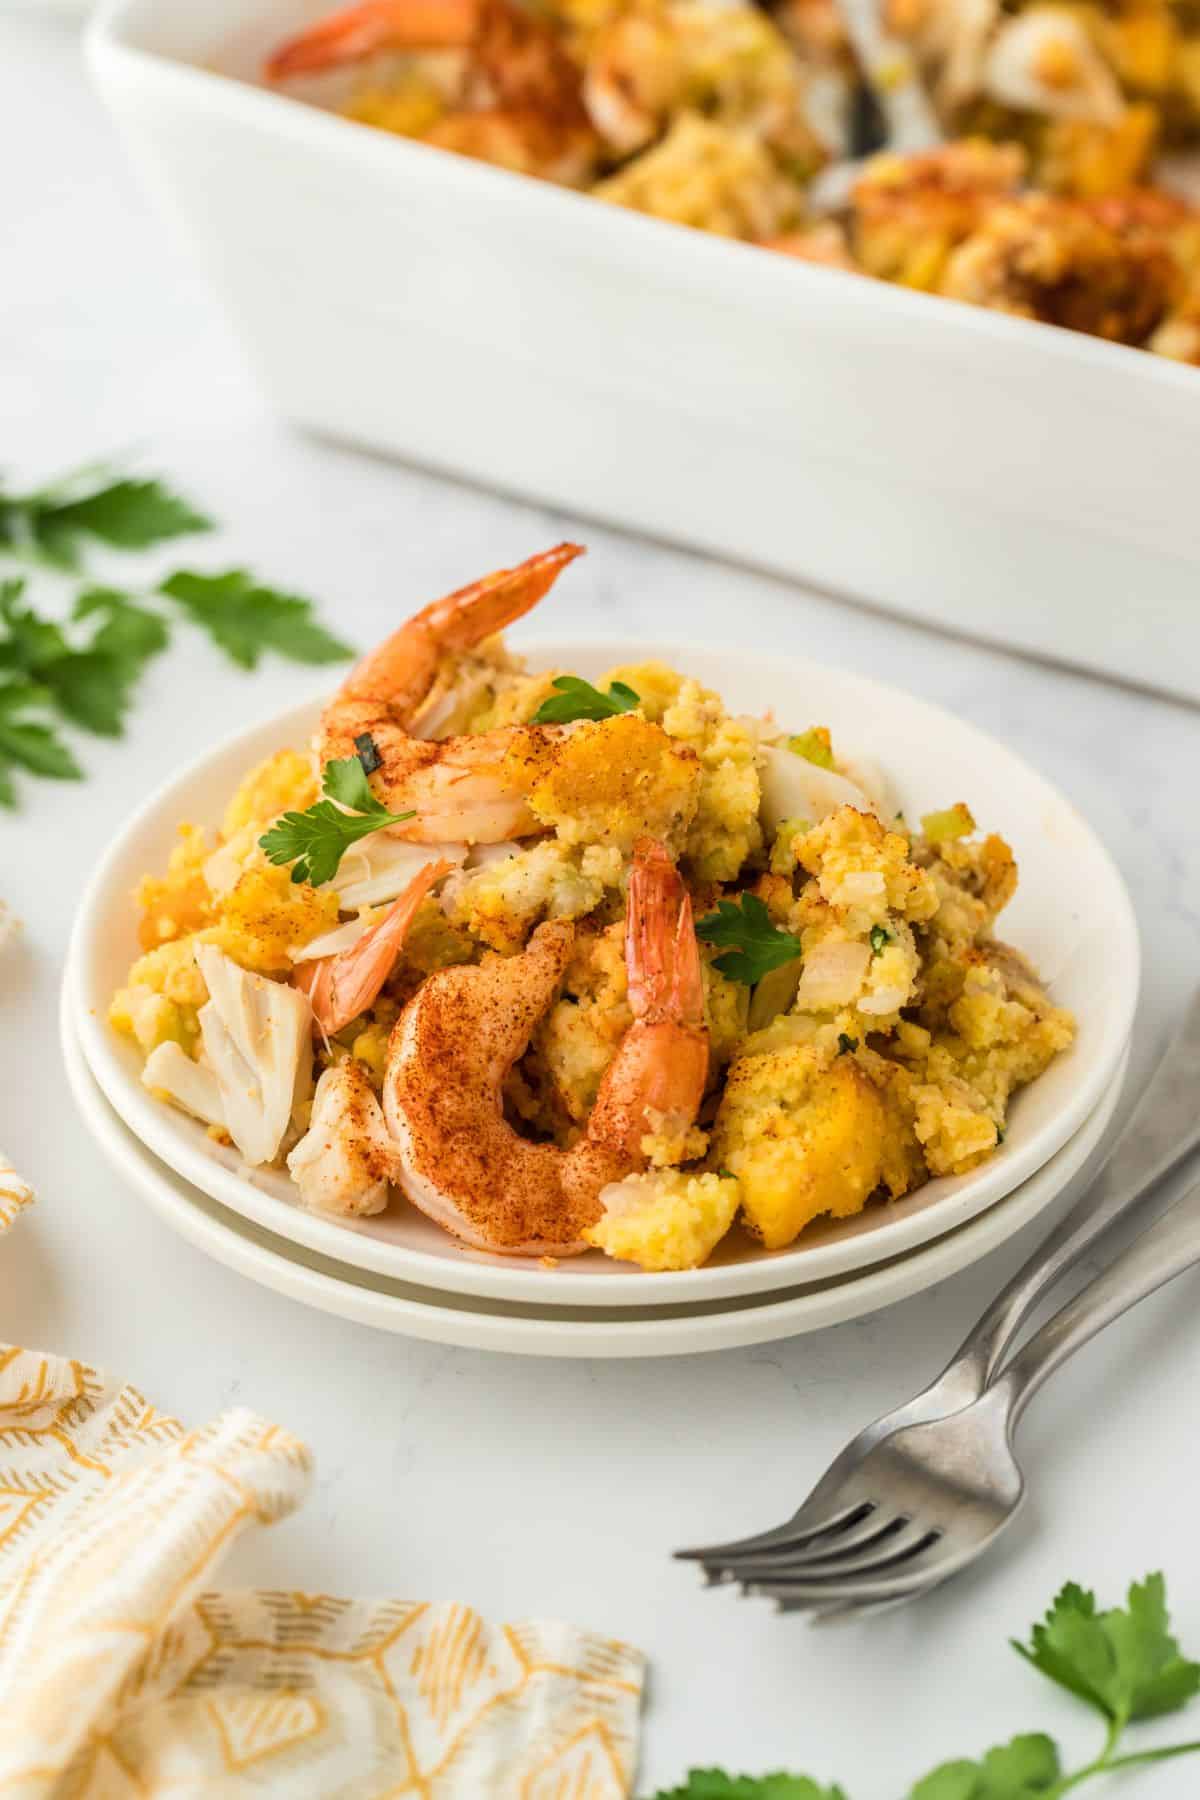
(549, 1487)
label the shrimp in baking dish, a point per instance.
(342, 986)
(462, 789)
(461, 1162)
(530, 115)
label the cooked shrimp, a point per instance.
(460, 1160)
(463, 789)
(355, 32)
(342, 986)
(532, 118)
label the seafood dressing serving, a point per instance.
(1039, 174)
(576, 967)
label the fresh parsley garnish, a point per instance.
(316, 840)
(125, 627)
(1028, 1768)
(30, 743)
(84, 668)
(51, 672)
(578, 699)
(1124, 1664)
(49, 523)
(755, 945)
(244, 618)
(879, 937)
(846, 1044)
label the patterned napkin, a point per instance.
(123, 1674)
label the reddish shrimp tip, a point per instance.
(662, 957)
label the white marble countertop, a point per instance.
(544, 1487)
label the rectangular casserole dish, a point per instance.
(1007, 479)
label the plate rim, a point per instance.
(168, 1138)
(234, 1243)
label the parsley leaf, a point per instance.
(1020, 1770)
(93, 688)
(1124, 1662)
(125, 628)
(847, 1045)
(244, 618)
(880, 936)
(86, 668)
(346, 782)
(89, 683)
(124, 513)
(28, 644)
(29, 744)
(316, 840)
(578, 699)
(714, 1784)
(755, 945)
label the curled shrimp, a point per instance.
(530, 115)
(462, 789)
(459, 1159)
(342, 986)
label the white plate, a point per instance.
(443, 1318)
(1072, 916)
(987, 473)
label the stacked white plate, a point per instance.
(1072, 917)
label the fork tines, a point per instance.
(835, 1566)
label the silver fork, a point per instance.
(950, 1486)
(856, 1537)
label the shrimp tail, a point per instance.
(459, 621)
(657, 1078)
(662, 957)
(358, 31)
(472, 613)
(340, 987)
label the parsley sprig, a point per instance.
(575, 698)
(83, 669)
(1123, 1663)
(52, 522)
(754, 944)
(316, 840)
(28, 742)
(244, 618)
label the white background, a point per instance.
(544, 1487)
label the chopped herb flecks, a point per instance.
(368, 753)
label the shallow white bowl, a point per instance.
(994, 475)
(571, 1331)
(1072, 917)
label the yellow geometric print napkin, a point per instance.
(15, 1194)
(123, 1674)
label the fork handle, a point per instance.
(1163, 1251)
(1163, 1128)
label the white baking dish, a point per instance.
(1007, 479)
